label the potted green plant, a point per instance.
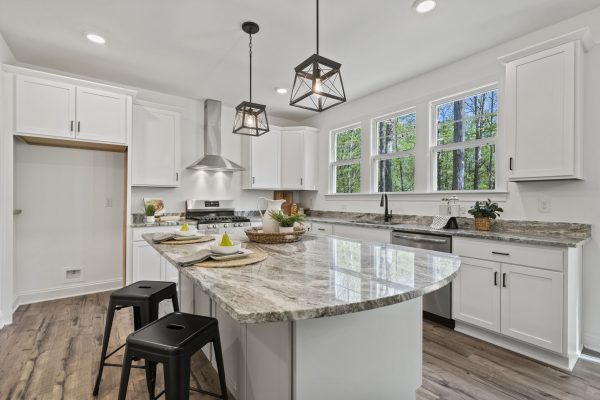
(286, 222)
(149, 211)
(484, 212)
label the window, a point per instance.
(394, 160)
(464, 141)
(345, 164)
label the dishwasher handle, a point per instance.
(419, 238)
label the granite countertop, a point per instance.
(528, 232)
(319, 276)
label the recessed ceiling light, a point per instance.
(424, 6)
(94, 38)
(281, 90)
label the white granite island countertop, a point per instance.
(316, 277)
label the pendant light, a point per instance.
(318, 82)
(250, 118)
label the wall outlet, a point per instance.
(544, 205)
(109, 202)
(73, 274)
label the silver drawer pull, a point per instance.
(499, 253)
(419, 239)
(321, 229)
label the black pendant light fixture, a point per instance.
(250, 118)
(318, 82)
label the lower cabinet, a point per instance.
(149, 265)
(362, 233)
(538, 304)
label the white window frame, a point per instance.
(434, 148)
(375, 156)
(333, 162)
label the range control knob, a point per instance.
(225, 225)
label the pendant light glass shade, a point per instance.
(250, 118)
(318, 83)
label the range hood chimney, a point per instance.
(213, 160)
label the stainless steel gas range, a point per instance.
(214, 216)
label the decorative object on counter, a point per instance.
(441, 222)
(226, 246)
(248, 257)
(169, 218)
(318, 82)
(259, 236)
(250, 118)
(294, 209)
(269, 225)
(150, 210)
(204, 254)
(286, 222)
(286, 195)
(159, 206)
(484, 213)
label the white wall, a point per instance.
(72, 202)
(201, 184)
(6, 238)
(574, 201)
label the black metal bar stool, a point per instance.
(172, 340)
(144, 297)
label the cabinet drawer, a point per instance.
(322, 229)
(511, 253)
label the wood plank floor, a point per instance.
(51, 352)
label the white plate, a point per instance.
(218, 249)
(190, 232)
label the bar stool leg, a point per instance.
(220, 367)
(125, 375)
(177, 378)
(146, 315)
(110, 313)
(175, 303)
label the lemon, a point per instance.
(184, 228)
(226, 241)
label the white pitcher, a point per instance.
(269, 224)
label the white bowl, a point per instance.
(189, 232)
(216, 248)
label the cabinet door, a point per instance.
(292, 160)
(44, 107)
(155, 147)
(540, 108)
(101, 116)
(265, 160)
(476, 294)
(169, 272)
(146, 262)
(532, 305)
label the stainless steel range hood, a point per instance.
(213, 160)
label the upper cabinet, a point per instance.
(283, 158)
(52, 107)
(155, 147)
(543, 109)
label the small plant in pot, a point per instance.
(286, 222)
(484, 212)
(149, 211)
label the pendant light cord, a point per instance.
(317, 26)
(250, 51)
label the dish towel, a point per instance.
(163, 237)
(204, 255)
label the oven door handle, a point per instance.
(419, 238)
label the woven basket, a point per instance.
(483, 224)
(259, 236)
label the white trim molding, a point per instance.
(464, 196)
(60, 292)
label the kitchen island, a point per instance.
(323, 318)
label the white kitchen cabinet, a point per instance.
(532, 305)
(476, 294)
(265, 160)
(319, 228)
(155, 159)
(146, 262)
(44, 107)
(298, 159)
(362, 233)
(281, 159)
(542, 108)
(524, 297)
(101, 116)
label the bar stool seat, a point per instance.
(173, 340)
(144, 297)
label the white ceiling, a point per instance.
(196, 48)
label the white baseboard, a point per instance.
(36, 296)
(547, 357)
(591, 342)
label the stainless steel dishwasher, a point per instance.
(437, 306)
